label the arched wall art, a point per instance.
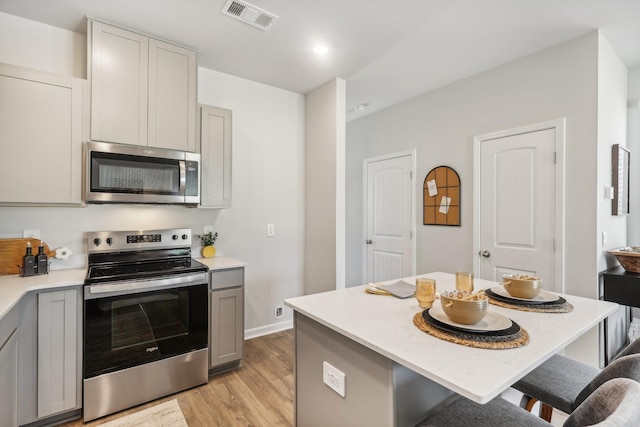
(441, 195)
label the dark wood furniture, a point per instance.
(621, 286)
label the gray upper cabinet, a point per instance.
(143, 91)
(41, 134)
(215, 151)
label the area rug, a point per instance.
(167, 414)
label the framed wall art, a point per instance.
(441, 196)
(620, 180)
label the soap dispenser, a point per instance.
(28, 262)
(42, 260)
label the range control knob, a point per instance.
(109, 241)
(174, 237)
(97, 241)
(185, 237)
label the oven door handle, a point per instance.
(132, 287)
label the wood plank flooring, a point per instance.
(259, 393)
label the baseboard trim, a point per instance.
(268, 329)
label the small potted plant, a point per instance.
(208, 240)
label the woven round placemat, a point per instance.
(518, 339)
(564, 307)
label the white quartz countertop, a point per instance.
(13, 287)
(385, 324)
(221, 263)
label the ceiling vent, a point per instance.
(249, 14)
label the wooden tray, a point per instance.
(628, 257)
(12, 251)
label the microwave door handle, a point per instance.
(183, 176)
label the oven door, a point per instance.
(126, 330)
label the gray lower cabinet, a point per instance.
(9, 369)
(50, 355)
(226, 318)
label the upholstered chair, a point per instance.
(559, 381)
(614, 403)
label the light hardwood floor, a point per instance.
(259, 393)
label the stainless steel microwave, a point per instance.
(119, 173)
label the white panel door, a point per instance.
(389, 207)
(517, 206)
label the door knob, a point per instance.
(485, 254)
(368, 242)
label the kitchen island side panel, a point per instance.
(378, 391)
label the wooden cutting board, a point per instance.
(12, 251)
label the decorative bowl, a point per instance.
(522, 286)
(628, 257)
(463, 308)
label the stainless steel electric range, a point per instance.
(145, 319)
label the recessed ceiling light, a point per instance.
(320, 49)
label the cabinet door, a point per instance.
(9, 383)
(172, 96)
(118, 71)
(227, 326)
(40, 137)
(57, 351)
(215, 151)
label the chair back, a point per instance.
(614, 403)
(623, 367)
(632, 348)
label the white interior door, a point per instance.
(389, 218)
(516, 204)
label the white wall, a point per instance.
(268, 175)
(612, 129)
(633, 142)
(268, 187)
(559, 82)
(324, 188)
(43, 47)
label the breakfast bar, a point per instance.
(360, 360)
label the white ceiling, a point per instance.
(387, 51)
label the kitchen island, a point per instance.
(393, 372)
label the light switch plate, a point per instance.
(34, 234)
(608, 192)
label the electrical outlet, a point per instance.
(334, 378)
(278, 312)
(34, 234)
(271, 230)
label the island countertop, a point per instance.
(384, 324)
